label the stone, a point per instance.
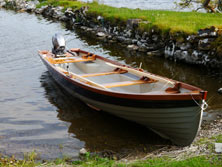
(120, 38)
(127, 41)
(204, 44)
(152, 47)
(184, 46)
(69, 13)
(132, 47)
(128, 34)
(143, 41)
(145, 35)
(31, 5)
(2, 3)
(191, 38)
(110, 37)
(137, 36)
(195, 55)
(82, 151)
(208, 32)
(155, 53)
(143, 48)
(219, 90)
(139, 43)
(155, 38)
(218, 147)
(134, 41)
(133, 23)
(101, 34)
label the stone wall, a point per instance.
(204, 48)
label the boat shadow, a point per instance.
(101, 132)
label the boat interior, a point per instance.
(93, 70)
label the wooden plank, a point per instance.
(86, 81)
(82, 79)
(141, 74)
(61, 61)
(103, 73)
(126, 83)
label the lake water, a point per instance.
(37, 115)
(143, 4)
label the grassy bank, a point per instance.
(200, 161)
(188, 22)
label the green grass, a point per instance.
(188, 22)
(199, 161)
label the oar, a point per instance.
(141, 74)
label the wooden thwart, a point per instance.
(82, 79)
(126, 83)
(118, 71)
(107, 85)
(61, 61)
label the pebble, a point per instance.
(82, 151)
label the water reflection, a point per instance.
(99, 131)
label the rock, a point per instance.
(2, 3)
(31, 5)
(57, 13)
(89, 29)
(145, 35)
(139, 43)
(128, 33)
(155, 53)
(204, 44)
(184, 46)
(195, 55)
(208, 32)
(218, 147)
(132, 47)
(134, 41)
(120, 39)
(69, 13)
(152, 47)
(143, 40)
(143, 48)
(82, 151)
(191, 38)
(219, 90)
(133, 23)
(101, 34)
(110, 37)
(155, 38)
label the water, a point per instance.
(36, 114)
(143, 4)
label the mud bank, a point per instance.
(203, 48)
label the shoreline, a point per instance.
(201, 47)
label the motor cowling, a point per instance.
(59, 44)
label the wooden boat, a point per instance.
(170, 108)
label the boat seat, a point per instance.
(116, 71)
(143, 80)
(71, 59)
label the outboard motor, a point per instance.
(59, 45)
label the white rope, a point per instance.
(203, 106)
